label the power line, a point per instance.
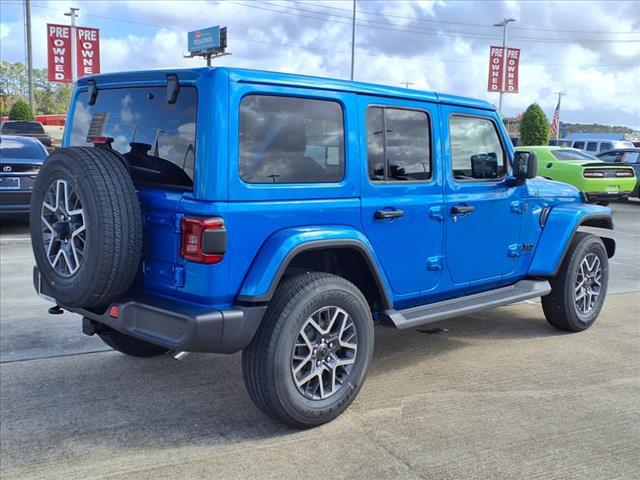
(325, 50)
(421, 19)
(288, 10)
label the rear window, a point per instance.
(157, 138)
(573, 155)
(17, 149)
(13, 128)
(290, 140)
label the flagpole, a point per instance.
(560, 94)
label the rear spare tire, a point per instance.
(86, 226)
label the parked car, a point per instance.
(598, 145)
(20, 161)
(601, 182)
(630, 156)
(283, 215)
(25, 128)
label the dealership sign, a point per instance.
(204, 39)
(503, 70)
(59, 52)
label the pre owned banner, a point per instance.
(497, 65)
(59, 52)
(88, 48)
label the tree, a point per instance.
(534, 127)
(21, 111)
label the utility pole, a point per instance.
(560, 94)
(406, 84)
(503, 24)
(353, 39)
(74, 60)
(27, 29)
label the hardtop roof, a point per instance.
(284, 79)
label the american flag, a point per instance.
(554, 128)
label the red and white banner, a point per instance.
(497, 66)
(88, 48)
(59, 53)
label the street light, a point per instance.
(503, 24)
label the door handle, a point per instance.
(462, 209)
(388, 214)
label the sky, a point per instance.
(590, 50)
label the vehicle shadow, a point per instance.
(109, 401)
(14, 224)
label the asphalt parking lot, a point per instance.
(488, 396)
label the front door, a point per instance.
(483, 211)
(402, 191)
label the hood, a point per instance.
(553, 189)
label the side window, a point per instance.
(476, 151)
(579, 145)
(290, 140)
(611, 157)
(592, 146)
(398, 144)
(605, 147)
(632, 157)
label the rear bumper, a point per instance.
(15, 201)
(172, 324)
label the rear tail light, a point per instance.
(203, 239)
(624, 173)
(593, 174)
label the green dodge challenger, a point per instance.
(599, 180)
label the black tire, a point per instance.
(113, 225)
(267, 361)
(560, 306)
(131, 346)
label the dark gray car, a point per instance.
(625, 155)
(20, 162)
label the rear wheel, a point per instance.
(578, 291)
(309, 358)
(130, 345)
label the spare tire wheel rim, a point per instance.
(63, 227)
(324, 353)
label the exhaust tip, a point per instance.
(178, 355)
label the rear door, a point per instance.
(483, 211)
(402, 191)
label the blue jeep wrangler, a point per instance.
(218, 210)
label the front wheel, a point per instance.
(310, 356)
(578, 291)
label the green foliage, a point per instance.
(49, 97)
(20, 111)
(534, 127)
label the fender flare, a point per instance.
(560, 227)
(281, 248)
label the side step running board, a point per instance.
(456, 307)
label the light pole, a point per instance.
(27, 22)
(503, 24)
(72, 13)
(353, 39)
(406, 84)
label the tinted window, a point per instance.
(592, 146)
(611, 156)
(398, 144)
(290, 140)
(10, 148)
(476, 151)
(157, 138)
(605, 146)
(578, 145)
(632, 157)
(12, 128)
(572, 155)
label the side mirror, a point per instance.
(525, 165)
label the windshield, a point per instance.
(12, 148)
(11, 128)
(156, 137)
(567, 154)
